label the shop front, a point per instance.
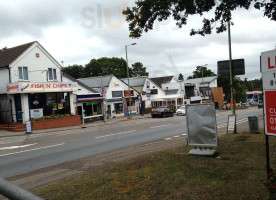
(37, 100)
(91, 107)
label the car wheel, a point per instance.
(153, 116)
(172, 115)
(163, 115)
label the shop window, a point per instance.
(23, 73)
(51, 103)
(92, 108)
(52, 74)
(97, 108)
(132, 103)
(119, 109)
(116, 94)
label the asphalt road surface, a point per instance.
(26, 153)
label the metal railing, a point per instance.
(15, 192)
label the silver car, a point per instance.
(181, 111)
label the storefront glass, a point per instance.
(119, 109)
(50, 103)
(92, 108)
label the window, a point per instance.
(52, 74)
(23, 73)
(154, 91)
(116, 94)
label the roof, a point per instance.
(136, 81)
(79, 82)
(199, 80)
(160, 80)
(96, 82)
(11, 54)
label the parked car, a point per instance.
(161, 112)
(181, 110)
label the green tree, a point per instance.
(180, 77)
(3, 49)
(239, 88)
(146, 12)
(198, 73)
(138, 70)
(75, 71)
(106, 66)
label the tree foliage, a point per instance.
(239, 88)
(142, 17)
(198, 73)
(180, 77)
(106, 66)
(75, 71)
(138, 70)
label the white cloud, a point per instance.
(77, 31)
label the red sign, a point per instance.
(270, 111)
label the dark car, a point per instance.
(161, 112)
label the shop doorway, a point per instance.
(5, 110)
(18, 107)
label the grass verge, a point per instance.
(238, 172)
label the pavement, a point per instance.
(6, 133)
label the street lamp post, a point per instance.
(130, 117)
(202, 79)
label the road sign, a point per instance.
(237, 67)
(268, 69)
(270, 112)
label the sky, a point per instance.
(74, 32)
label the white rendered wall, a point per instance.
(37, 66)
(25, 108)
(4, 80)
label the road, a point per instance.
(26, 153)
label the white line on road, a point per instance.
(168, 138)
(115, 134)
(32, 149)
(160, 126)
(184, 134)
(176, 136)
(16, 147)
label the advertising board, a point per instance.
(201, 124)
(268, 69)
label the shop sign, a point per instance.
(268, 68)
(29, 87)
(36, 113)
(126, 93)
(270, 112)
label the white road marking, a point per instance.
(168, 138)
(32, 149)
(160, 126)
(176, 136)
(184, 134)
(115, 134)
(16, 147)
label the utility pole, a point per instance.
(231, 75)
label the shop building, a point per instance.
(116, 94)
(200, 90)
(152, 94)
(89, 102)
(32, 85)
(174, 89)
